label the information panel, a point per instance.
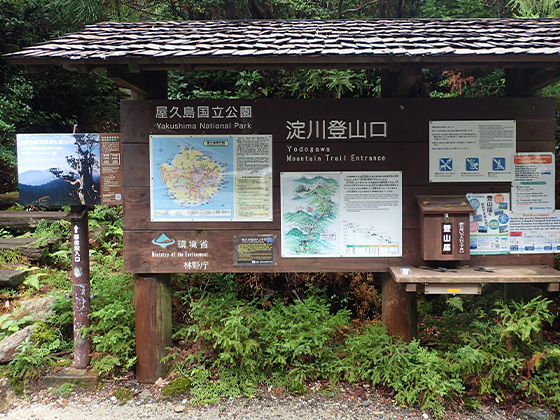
(535, 233)
(341, 214)
(254, 249)
(111, 168)
(533, 184)
(471, 151)
(57, 169)
(211, 178)
(489, 225)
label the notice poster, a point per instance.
(254, 249)
(111, 168)
(211, 178)
(341, 214)
(69, 169)
(535, 233)
(490, 224)
(533, 183)
(472, 151)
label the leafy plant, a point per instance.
(33, 280)
(112, 322)
(285, 345)
(30, 361)
(10, 257)
(10, 325)
(522, 320)
(3, 232)
(418, 375)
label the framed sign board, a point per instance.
(69, 169)
(306, 185)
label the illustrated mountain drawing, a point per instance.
(308, 225)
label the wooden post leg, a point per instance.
(153, 325)
(398, 309)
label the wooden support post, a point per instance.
(398, 309)
(153, 325)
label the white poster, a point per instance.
(472, 151)
(535, 233)
(489, 225)
(341, 214)
(533, 183)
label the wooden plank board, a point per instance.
(471, 274)
(26, 219)
(142, 255)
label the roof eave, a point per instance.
(267, 62)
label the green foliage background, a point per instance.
(235, 337)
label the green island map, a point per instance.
(191, 178)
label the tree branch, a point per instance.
(257, 12)
(357, 9)
(175, 10)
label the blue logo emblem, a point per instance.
(498, 164)
(473, 164)
(163, 241)
(445, 164)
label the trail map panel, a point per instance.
(210, 178)
(372, 214)
(341, 214)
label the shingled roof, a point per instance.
(330, 43)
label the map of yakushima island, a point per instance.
(192, 178)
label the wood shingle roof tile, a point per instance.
(270, 43)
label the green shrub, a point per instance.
(418, 375)
(284, 344)
(112, 321)
(30, 362)
(299, 338)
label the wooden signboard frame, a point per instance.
(314, 137)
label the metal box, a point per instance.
(444, 227)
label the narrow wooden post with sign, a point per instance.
(80, 284)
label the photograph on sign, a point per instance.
(59, 169)
(535, 233)
(533, 183)
(341, 214)
(211, 178)
(489, 225)
(469, 151)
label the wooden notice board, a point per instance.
(309, 185)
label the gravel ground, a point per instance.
(349, 403)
